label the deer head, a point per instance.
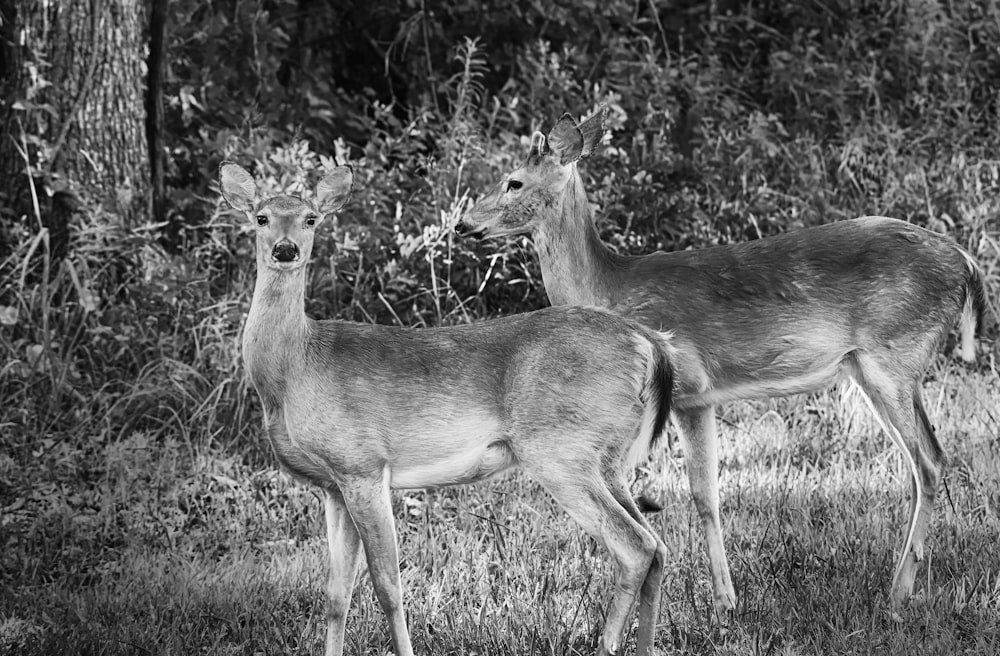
(530, 193)
(285, 225)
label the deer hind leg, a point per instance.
(649, 593)
(923, 488)
(345, 547)
(898, 407)
(700, 441)
(370, 506)
(585, 496)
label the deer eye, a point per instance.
(311, 220)
(514, 185)
(261, 220)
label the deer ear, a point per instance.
(237, 186)
(592, 129)
(566, 140)
(334, 190)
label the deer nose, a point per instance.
(463, 229)
(285, 251)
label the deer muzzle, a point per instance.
(464, 229)
(285, 251)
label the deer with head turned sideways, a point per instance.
(869, 299)
(572, 396)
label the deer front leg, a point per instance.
(700, 441)
(345, 547)
(370, 506)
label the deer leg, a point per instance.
(649, 593)
(587, 499)
(700, 441)
(930, 461)
(932, 466)
(901, 414)
(345, 547)
(370, 506)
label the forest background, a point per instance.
(142, 511)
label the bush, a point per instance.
(729, 121)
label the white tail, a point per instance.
(869, 298)
(567, 394)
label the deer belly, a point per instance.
(446, 446)
(465, 467)
(805, 376)
(449, 458)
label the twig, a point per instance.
(663, 34)
(391, 311)
(427, 55)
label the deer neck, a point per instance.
(276, 329)
(577, 268)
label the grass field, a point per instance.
(135, 545)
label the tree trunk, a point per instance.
(12, 83)
(76, 93)
(154, 106)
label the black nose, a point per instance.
(285, 251)
(463, 229)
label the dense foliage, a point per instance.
(728, 121)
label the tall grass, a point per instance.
(147, 545)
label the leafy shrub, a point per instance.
(729, 121)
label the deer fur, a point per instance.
(868, 299)
(572, 396)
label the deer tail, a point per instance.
(655, 392)
(974, 307)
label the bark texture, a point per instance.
(77, 88)
(154, 106)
